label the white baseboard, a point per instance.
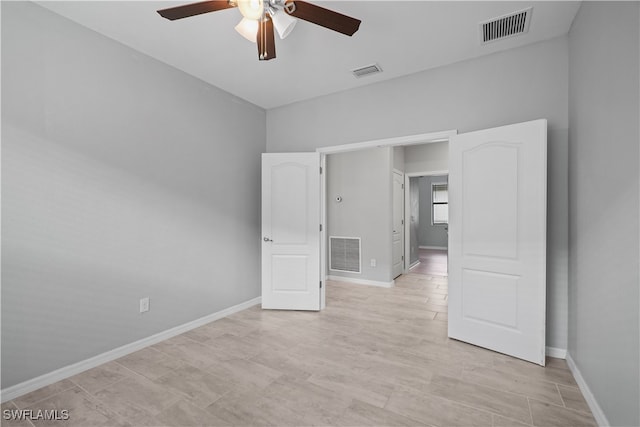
(414, 264)
(558, 353)
(28, 386)
(598, 414)
(443, 248)
(361, 281)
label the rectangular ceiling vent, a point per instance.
(344, 254)
(367, 71)
(505, 26)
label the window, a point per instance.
(440, 204)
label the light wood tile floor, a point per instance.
(432, 262)
(375, 356)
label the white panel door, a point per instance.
(398, 224)
(497, 239)
(290, 231)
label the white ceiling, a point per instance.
(404, 37)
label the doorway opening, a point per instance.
(366, 193)
(428, 219)
(497, 249)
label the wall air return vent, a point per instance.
(367, 71)
(505, 26)
(344, 254)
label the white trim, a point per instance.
(361, 281)
(323, 232)
(444, 248)
(28, 386)
(558, 353)
(407, 224)
(596, 410)
(414, 264)
(431, 173)
(422, 138)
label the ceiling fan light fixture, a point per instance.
(263, 14)
(282, 22)
(248, 28)
(251, 9)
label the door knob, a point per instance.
(266, 239)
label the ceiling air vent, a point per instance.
(505, 26)
(367, 71)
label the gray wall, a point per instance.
(363, 180)
(523, 84)
(428, 234)
(121, 178)
(604, 205)
(432, 157)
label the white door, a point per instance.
(290, 231)
(398, 224)
(497, 239)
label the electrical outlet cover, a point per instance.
(144, 304)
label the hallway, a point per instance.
(433, 262)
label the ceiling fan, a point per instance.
(260, 16)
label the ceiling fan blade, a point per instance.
(327, 18)
(266, 40)
(193, 9)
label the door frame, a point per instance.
(404, 218)
(407, 213)
(423, 138)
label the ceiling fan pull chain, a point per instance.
(262, 37)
